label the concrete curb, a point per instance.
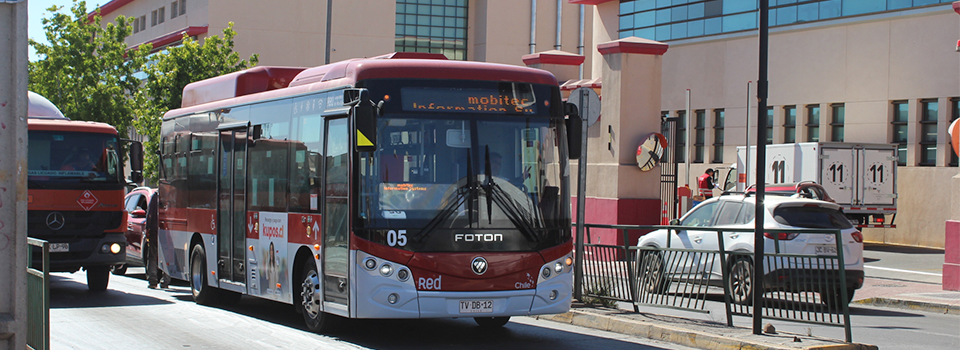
(685, 337)
(911, 305)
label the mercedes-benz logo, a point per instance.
(55, 220)
(479, 265)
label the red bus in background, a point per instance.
(75, 191)
(400, 186)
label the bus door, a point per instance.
(232, 209)
(336, 221)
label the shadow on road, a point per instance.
(66, 292)
(900, 249)
(463, 333)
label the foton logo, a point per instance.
(276, 232)
(478, 237)
(428, 283)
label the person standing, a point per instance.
(151, 249)
(705, 186)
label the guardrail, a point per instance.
(805, 288)
(38, 296)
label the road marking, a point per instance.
(907, 271)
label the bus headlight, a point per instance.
(115, 248)
(546, 272)
(386, 270)
(558, 267)
(370, 263)
(402, 275)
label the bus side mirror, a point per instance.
(136, 161)
(574, 129)
(365, 114)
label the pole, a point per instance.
(581, 197)
(746, 164)
(689, 144)
(13, 174)
(761, 156)
(326, 56)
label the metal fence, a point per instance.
(38, 296)
(806, 288)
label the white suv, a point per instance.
(790, 274)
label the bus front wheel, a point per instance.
(310, 304)
(203, 293)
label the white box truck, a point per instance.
(861, 177)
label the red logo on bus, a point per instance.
(87, 200)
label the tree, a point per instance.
(87, 70)
(169, 71)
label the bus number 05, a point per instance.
(397, 238)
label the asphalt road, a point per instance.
(130, 316)
(903, 263)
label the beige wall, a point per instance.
(864, 63)
(501, 30)
(196, 15)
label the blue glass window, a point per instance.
(436, 26)
(786, 15)
(740, 22)
(858, 7)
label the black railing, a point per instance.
(807, 288)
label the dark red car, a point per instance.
(135, 204)
(803, 189)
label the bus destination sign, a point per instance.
(467, 101)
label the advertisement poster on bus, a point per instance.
(273, 255)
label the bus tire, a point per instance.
(310, 302)
(203, 293)
(97, 278)
(491, 322)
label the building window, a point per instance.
(681, 137)
(769, 127)
(699, 131)
(718, 116)
(678, 19)
(143, 23)
(438, 28)
(899, 124)
(183, 7)
(161, 14)
(136, 25)
(174, 9)
(836, 126)
(928, 132)
(789, 124)
(813, 123)
(153, 18)
(954, 114)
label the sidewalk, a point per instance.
(699, 334)
(926, 297)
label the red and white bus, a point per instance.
(400, 186)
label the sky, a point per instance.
(37, 10)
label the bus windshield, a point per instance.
(65, 157)
(465, 182)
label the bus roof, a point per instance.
(264, 83)
(69, 125)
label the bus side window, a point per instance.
(306, 162)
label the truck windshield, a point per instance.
(56, 156)
(466, 182)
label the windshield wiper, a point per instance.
(463, 194)
(509, 206)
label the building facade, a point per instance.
(872, 71)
